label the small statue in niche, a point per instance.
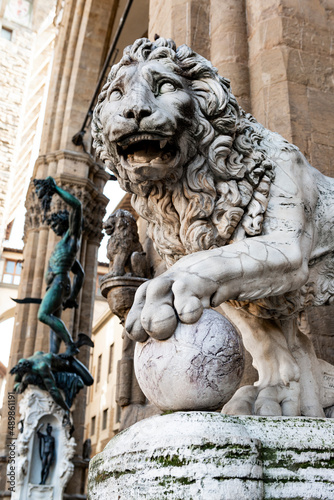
(47, 448)
(124, 249)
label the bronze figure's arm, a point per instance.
(75, 216)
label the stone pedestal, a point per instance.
(205, 455)
(37, 407)
(120, 292)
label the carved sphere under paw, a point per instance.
(198, 368)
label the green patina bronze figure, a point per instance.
(60, 295)
(52, 372)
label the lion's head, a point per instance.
(170, 129)
(120, 221)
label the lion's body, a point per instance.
(236, 211)
(124, 250)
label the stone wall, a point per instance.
(292, 73)
(24, 77)
(14, 71)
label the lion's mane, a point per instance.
(222, 193)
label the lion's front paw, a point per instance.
(160, 303)
(270, 401)
(152, 312)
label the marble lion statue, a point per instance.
(238, 214)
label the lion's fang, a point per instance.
(163, 143)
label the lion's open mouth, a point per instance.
(146, 149)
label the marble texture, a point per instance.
(216, 457)
(198, 368)
(237, 213)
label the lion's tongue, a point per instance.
(149, 153)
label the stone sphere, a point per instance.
(198, 368)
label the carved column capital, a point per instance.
(66, 167)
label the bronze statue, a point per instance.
(46, 450)
(51, 371)
(60, 295)
(47, 370)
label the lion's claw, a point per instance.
(270, 401)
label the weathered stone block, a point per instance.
(201, 455)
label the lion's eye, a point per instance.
(166, 87)
(115, 95)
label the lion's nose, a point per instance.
(137, 112)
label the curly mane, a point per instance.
(222, 193)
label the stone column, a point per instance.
(229, 46)
(291, 68)
(184, 21)
(36, 291)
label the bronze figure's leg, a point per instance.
(55, 340)
(51, 303)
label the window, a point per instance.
(6, 33)
(91, 394)
(12, 272)
(99, 364)
(19, 11)
(92, 426)
(111, 357)
(97, 289)
(104, 419)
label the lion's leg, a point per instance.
(119, 261)
(277, 390)
(311, 375)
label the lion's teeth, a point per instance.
(163, 143)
